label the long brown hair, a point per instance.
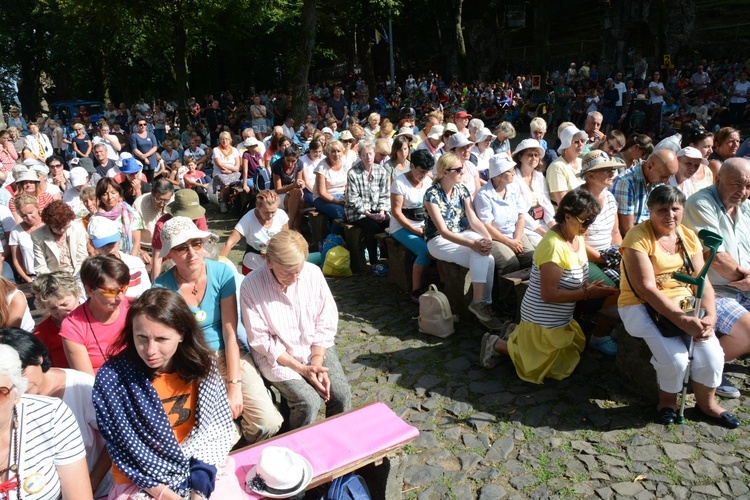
(192, 360)
(6, 288)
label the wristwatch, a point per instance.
(234, 381)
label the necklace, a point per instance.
(669, 247)
(194, 291)
(9, 485)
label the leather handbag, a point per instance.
(665, 326)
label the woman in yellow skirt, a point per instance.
(548, 342)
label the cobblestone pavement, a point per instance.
(486, 434)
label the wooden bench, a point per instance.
(354, 238)
(458, 289)
(400, 263)
(318, 226)
(365, 440)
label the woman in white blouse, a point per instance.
(540, 215)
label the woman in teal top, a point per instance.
(209, 289)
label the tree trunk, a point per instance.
(181, 69)
(460, 43)
(301, 66)
(541, 36)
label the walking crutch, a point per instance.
(712, 241)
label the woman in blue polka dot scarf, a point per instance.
(161, 405)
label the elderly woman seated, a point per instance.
(368, 201)
(501, 208)
(651, 252)
(53, 462)
(548, 342)
(60, 244)
(291, 321)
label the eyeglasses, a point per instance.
(141, 124)
(55, 165)
(5, 392)
(111, 293)
(460, 170)
(585, 222)
(182, 249)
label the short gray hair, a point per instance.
(10, 366)
(100, 145)
(163, 186)
(54, 286)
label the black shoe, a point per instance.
(726, 419)
(415, 294)
(667, 416)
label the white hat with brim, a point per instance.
(693, 153)
(436, 132)
(500, 163)
(124, 157)
(529, 144)
(450, 127)
(457, 141)
(346, 136)
(568, 135)
(251, 142)
(26, 175)
(407, 132)
(103, 231)
(279, 473)
(327, 130)
(483, 134)
(596, 159)
(179, 230)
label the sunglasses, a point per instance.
(585, 222)
(5, 392)
(111, 293)
(55, 165)
(182, 249)
(460, 170)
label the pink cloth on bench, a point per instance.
(336, 442)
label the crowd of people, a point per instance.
(162, 351)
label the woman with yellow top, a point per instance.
(548, 342)
(651, 252)
(161, 405)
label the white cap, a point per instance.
(483, 134)
(78, 176)
(327, 130)
(692, 152)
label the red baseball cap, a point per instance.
(463, 114)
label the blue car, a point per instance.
(65, 110)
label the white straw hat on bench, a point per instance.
(280, 473)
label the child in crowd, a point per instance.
(196, 180)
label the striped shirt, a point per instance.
(292, 322)
(599, 234)
(49, 437)
(553, 248)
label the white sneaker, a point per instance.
(223, 207)
(487, 352)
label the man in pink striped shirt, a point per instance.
(291, 321)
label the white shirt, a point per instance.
(501, 212)
(49, 436)
(412, 198)
(258, 236)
